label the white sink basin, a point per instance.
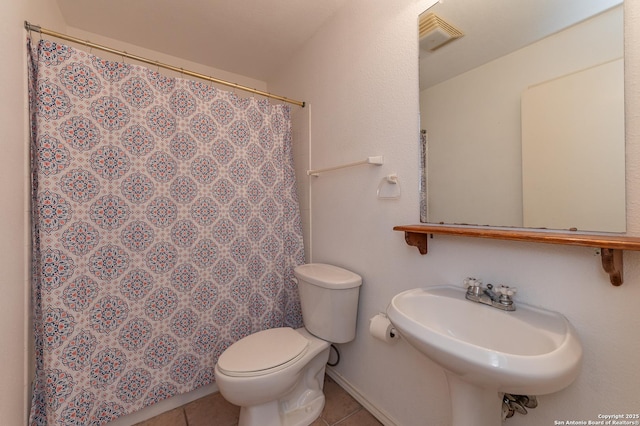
(529, 351)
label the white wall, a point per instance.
(163, 58)
(300, 135)
(359, 74)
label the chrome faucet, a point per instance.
(500, 297)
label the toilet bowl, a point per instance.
(286, 394)
(276, 376)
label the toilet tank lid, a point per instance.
(327, 276)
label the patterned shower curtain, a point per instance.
(166, 227)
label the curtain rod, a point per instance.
(124, 54)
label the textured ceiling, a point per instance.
(247, 37)
(254, 38)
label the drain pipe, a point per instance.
(512, 404)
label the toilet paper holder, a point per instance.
(380, 328)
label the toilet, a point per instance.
(276, 375)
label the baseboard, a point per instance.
(382, 416)
(164, 406)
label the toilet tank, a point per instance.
(329, 300)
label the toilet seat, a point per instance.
(263, 352)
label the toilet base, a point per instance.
(301, 416)
(306, 415)
(299, 405)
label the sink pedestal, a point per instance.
(473, 405)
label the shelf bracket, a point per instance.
(417, 240)
(612, 264)
(611, 246)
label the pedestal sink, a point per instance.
(487, 352)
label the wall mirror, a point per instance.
(523, 114)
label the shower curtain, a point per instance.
(165, 227)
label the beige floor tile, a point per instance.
(361, 418)
(174, 417)
(319, 422)
(338, 404)
(212, 410)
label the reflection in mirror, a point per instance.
(523, 115)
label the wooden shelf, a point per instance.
(611, 246)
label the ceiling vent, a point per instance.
(435, 32)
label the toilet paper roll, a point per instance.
(381, 328)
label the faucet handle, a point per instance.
(506, 290)
(472, 282)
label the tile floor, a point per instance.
(340, 410)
